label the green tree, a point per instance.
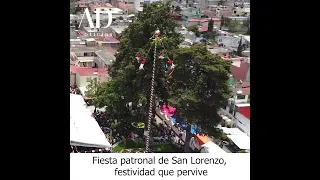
(72, 9)
(199, 87)
(247, 25)
(240, 48)
(92, 88)
(233, 25)
(193, 28)
(210, 34)
(210, 25)
(129, 84)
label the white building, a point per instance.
(228, 41)
(243, 118)
(138, 4)
(82, 76)
(90, 57)
(233, 41)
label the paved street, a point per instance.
(175, 130)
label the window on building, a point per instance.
(240, 96)
(141, 3)
(88, 79)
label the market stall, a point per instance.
(84, 129)
(204, 144)
(241, 141)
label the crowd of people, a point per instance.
(162, 135)
(80, 149)
(102, 118)
(74, 90)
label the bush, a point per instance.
(113, 126)
(124, 141)
(242, 151)
(193, 28)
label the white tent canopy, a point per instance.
(232, 131)
(84, 129)
(242, 141)
(211, 147)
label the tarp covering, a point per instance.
(174, 120)
(205, 144)
(84, 129)
(232, 131)
(183, 125)
(168, 110)
(202, 139)
(195, 130)
(211, 147)
(242, 141)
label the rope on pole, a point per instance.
(151, 96)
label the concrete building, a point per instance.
(103, 59)
(127, 7)
(243, 118)
(232, 41)
(107, 42)
(82, 76)
(190, 13)
(237, 109)
(117, 30)
(138, 4)
(204, 4)
(91, 57)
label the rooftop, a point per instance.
(83, 49)
(89, 71)
(218, 50)
(106, 57)
(203, 19)
(245, 111)
(247, 38)
(242, 91)
(237, 17)
(245, 84)
(118, 29)
(125, 6)
(101, 6)
(240, 73)
(203, 29)
(111, 51)
(111, 40)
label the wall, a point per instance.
(82, 80)
(228, 2)
(138, 3)
(245, 100)
(243, 123)
(248, 74)
(72, 79)
(228, 41)
(188, 24)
